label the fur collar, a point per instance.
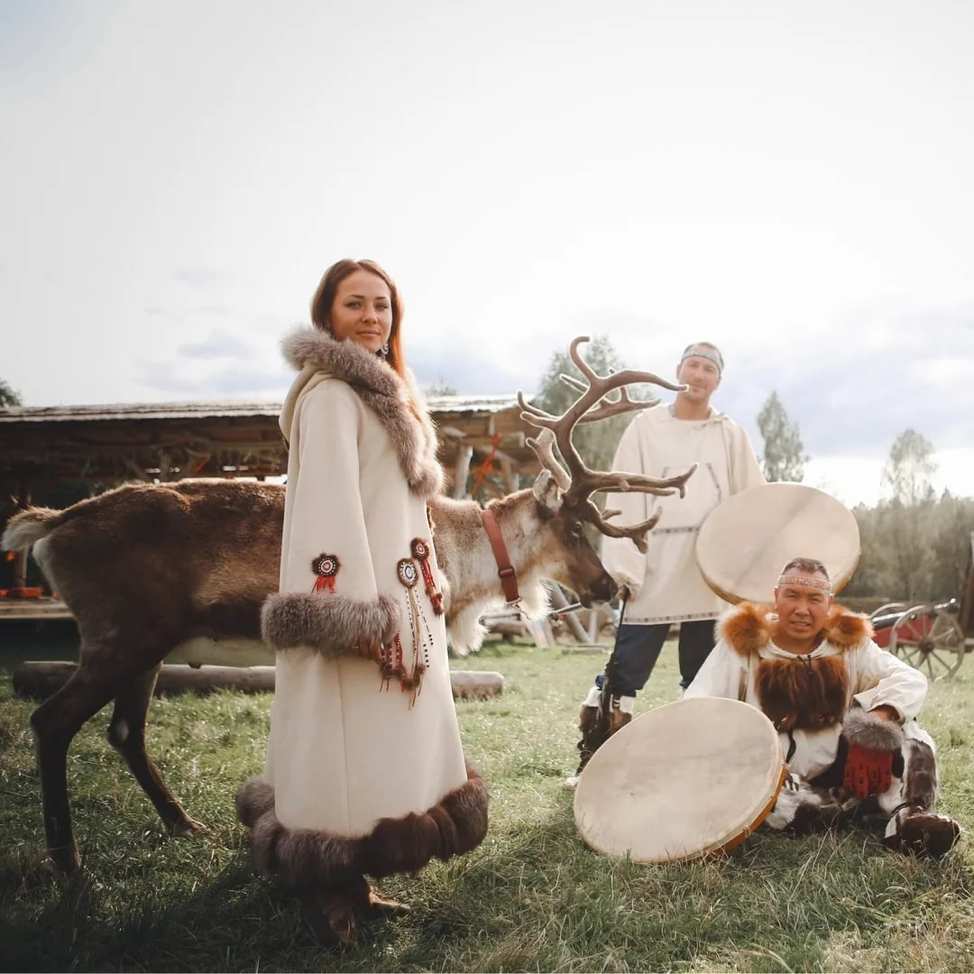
(383, 391)
(747, 628)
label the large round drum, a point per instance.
(685, 780)
(746, 541)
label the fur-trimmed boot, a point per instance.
(917, 832)
(593, 736)
(914, 827)
(331, 914)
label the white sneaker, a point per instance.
(569, 783)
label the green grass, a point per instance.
(532, 897)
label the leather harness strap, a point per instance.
(505, 570)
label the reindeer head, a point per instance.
(564, 492)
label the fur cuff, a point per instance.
(331, 624)
(305, 857)
(862, 728)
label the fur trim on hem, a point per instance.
(306, 857)
(862, 728)
(331, 624)
(384, 392)
(746, 628)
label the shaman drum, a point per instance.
(746, 541)
(686, 780)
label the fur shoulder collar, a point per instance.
(746, 628)
(383, 391)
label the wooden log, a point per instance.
(40, 679)
(511, 628)
(476, 684)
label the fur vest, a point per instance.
(801, 692)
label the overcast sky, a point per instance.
(792, 181)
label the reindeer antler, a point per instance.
(578, 482)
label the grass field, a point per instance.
(532, 897)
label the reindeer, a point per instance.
(149, 569)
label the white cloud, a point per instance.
(790, 182)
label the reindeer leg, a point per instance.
(55, 723)
(126, 733)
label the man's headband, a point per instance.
(806, 581)
(708, 353)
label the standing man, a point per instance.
(664, 585)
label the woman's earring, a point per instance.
(385, 349)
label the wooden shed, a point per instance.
(44, 445)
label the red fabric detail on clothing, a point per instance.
(867, 771)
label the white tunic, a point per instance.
(876, 678)
(666, 583)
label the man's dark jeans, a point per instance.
(638, 647)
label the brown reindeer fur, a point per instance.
(412, 433)
(302, 858)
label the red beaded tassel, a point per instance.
(421, 552)
(326, 568)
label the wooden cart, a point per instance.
(934, 638)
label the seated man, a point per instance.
(845, 709)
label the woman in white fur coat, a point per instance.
(365, 773)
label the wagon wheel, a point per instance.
(929, 639)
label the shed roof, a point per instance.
(115, 442)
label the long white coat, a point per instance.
(344, 752)
(666, 583)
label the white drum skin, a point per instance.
(686, 780)
(746, 541)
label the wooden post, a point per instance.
(510, 479)
(20, 558)
(559, 601)
(461, 471)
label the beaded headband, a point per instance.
(806, 581)
(707, 353)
